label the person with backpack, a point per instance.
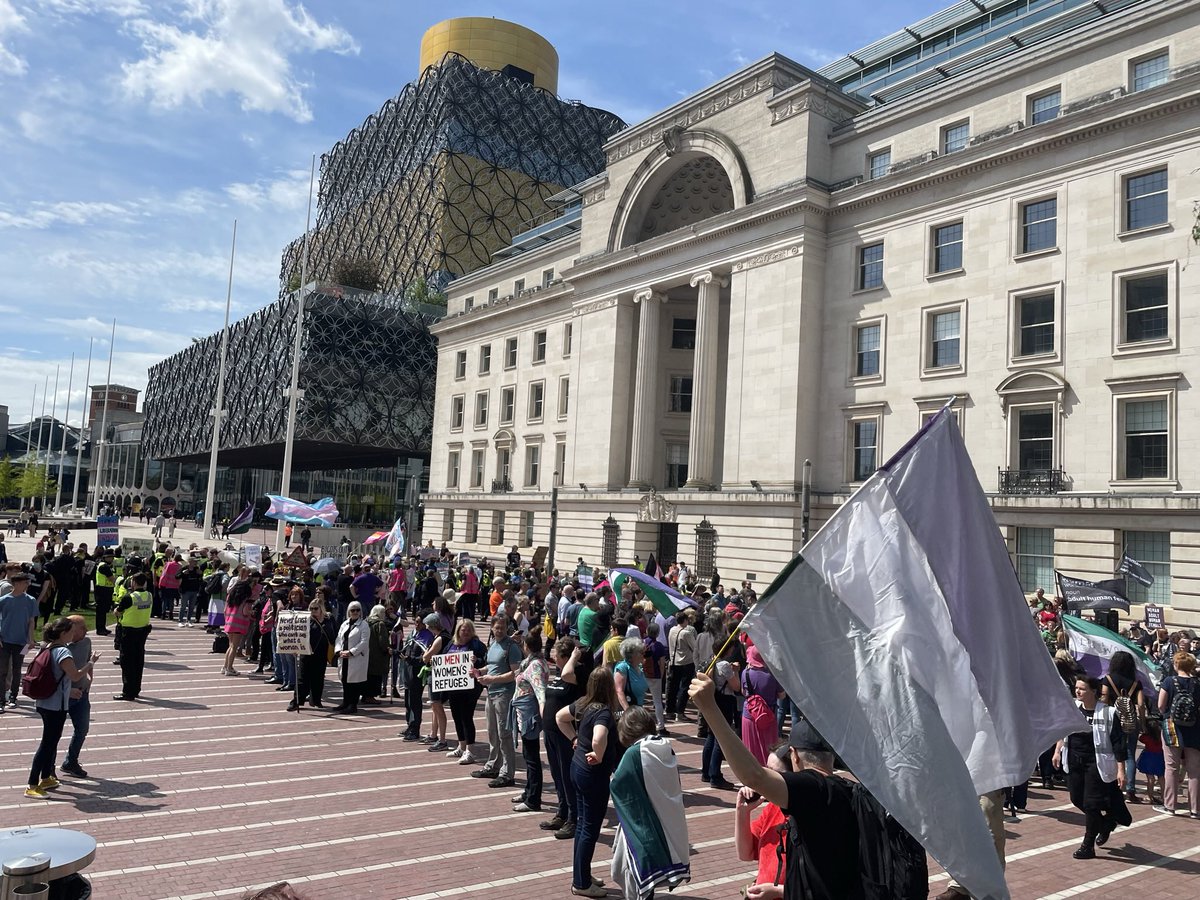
(18, 620)
(48, 682)
(839, 843)
(760, 727)
(1177, 700)
(728, 687)
(1130, 703)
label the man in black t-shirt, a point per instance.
(817, 801)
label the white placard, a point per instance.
(253, 556)
(291, 632)
(451, 672)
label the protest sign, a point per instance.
(254, 556)
(443, 571)
(107, 531)
(451, 672)
(136, 547)
(464, 558)
(291, 632)
(1154, 616)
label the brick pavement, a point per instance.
(209, 786)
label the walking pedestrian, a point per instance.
(80, 707)
(18, 620)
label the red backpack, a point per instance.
(39, 682)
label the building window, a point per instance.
(477, 468)
(1144, 308)
(1035, 559)
(537, 400)
(457, 405)
(1035, 439)
(533, 465)
(460, 364)
(498, 537)
(560, 462)
(508, 405)
(864, 446)
(448, 526)
(518, 286)
(510, 353)
(1144, 426)
(485, 359)
(1037, 324)
(1045, 106)
(677, 465)
(504, 468)
(527, 528)
(681, 394)
(1039, 225)
(469, 304)
(1153, 550)
(1146, 200)
(452, 469)
(568, 338)
(870, 266)
(878, 163)
(944, 350)
(954, 137)
(472, 525)
(481, 409)
(867, 350)
(1150, 72)
(493, 294)
(564, 396)
(683, 334)
(947, 247)
(539, 346)
(547, 277)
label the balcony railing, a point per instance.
(1031, 481)
(501, 486)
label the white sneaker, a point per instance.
(190, 624)
(455, 753)
(466, 759)
(180, 625)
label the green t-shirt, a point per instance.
(586, 623)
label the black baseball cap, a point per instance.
(805, 737)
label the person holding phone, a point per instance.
(759, 838)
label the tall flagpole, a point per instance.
(28, 435)
(218, 410)
(62, 448)
(50, 436)
(37, 459)
(100, 461)
(82, 423)
(294, 392)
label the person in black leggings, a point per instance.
(464, 703)
(561, 691)
(311, 684)
(54, 709)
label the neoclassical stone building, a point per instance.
(994, 205)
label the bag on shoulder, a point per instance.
(39, 682)
(1183, 704)
(220, 642)
(1126, 710)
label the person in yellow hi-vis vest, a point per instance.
(134, 616)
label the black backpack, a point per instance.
(1183, 704)
(220, 642)
(891, 862)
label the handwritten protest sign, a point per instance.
(291, 632)
(107, 531)
(451, 672)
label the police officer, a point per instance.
(106, 579)
(134, 612)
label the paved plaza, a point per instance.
(208, 787)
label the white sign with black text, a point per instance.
(291, 632)
(451, 672)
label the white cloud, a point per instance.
(75, 212)
(123, 8)
(239, 47)
(287, 192)
(11, 21)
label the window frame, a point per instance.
(533, 465)
(669, 446)
(540, 345)
(508, 392)
(512, 348)
(547, 277)
(676, 331)
(564, 396)
(857, 414)
(1142, 59)
(472, 535)
(458, 412)
(928, 315)
(469, 303)
(944, 136)
(853, 378)
(518, 286)
(478, 420)
(931, 270)
(480, 469)
(1014, 410)
(493, 294)
(1018, 359)
(1032, 99)
(671, 376)
(485, 359)
(568, 339)
(453, 467)
(460, 365)
(1121, 345)
(1137, 592)
(1124, 229)
(1132, 390)
(1019, 557)
(1020, 246)
(560, 460)
(871, 169)
(536, 411)
(861, 265)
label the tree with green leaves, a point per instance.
(8, 481)
(35, 482)
(420, 293)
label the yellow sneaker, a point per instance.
(48, 783)
(36, 793)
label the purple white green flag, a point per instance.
(1093, 646)
(665, 598)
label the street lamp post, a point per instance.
(218, 410)
(62, 449)
(805, 501)
(50, 438)
(82, 422)
(553, 525)
(103, 428)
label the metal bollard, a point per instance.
(19, 880)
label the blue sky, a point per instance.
(134, 132)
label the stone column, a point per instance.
(646, 401)
(702, 437)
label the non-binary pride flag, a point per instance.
(1093, 646)
(903, 634)
(242, 521)
(665, 598)
(323, 513)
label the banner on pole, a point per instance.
(107, 531)
(291, 632)
(451, 672)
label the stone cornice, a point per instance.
(816, 97)
(770, 74)
(486, 313)
(1120, 114)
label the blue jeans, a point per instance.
(80, 712)
(591, 799)
(1131, 744)
(285, 664)
(712, 757)
(187, 606)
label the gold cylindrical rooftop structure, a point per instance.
(493, 44)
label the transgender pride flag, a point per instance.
(323, 513)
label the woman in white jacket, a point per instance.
(1092, 761)
(351, 647)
